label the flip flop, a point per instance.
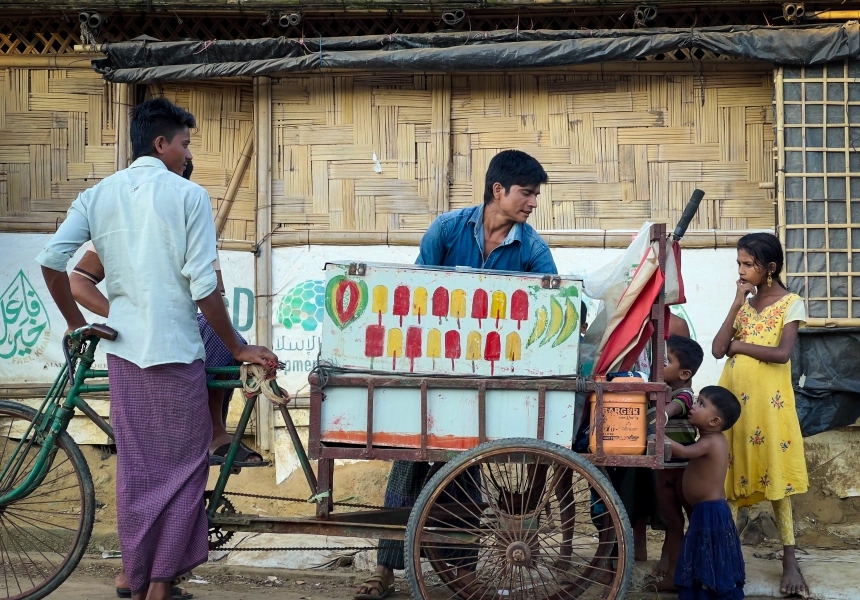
(376, 582)
(242, 455)
(176, 592)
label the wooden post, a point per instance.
(230, 195)
(123, 103)
(263, 262)
(779, 114)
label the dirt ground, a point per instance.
(93, 581)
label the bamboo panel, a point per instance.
(50, 120)
(655, 135)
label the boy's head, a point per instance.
(513, 183)
(716, 410)
(685, 357)
(162, 130)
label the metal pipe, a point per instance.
(834, 15)
(300, 450)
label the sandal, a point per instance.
(375, 582)
(242, 455)
(176, 593)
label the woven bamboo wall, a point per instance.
(326, 133)
(618, 149)
(57, 134)
(622, 149)
(225, 119)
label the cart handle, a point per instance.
(689, 213)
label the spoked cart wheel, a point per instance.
(44, 534)
(519, 519)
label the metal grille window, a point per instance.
(818, 110)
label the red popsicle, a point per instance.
(493, 349)
(401, 302)
(440, 303)
(374, 342)
(480, 307)
(452, 346)
(413, 346)
(520, 307)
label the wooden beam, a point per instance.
(233, 187)
(47, 61)
(263, 262)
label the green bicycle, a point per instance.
(47, 498)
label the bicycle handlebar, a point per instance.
(99, 330)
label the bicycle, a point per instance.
(47, 497)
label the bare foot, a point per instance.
(666, 585)
(792, 579)
(376, 584)
(121, 581)
(661, 569)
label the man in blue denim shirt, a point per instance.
(494, 236)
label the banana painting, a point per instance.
(540, 326)
(556, 320)
(556, 325)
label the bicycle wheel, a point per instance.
(535, 533)
(44, 534)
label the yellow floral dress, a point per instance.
(766, 459)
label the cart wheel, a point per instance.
(519, 519)
(44, 534)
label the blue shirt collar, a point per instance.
(147, 161)
(477, 222)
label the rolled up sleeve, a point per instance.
(73, 233)
(200, 252)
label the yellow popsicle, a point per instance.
(434, 344)
(473, 346)
(394, 347)
(498, 306)
(419, 303)
(513, 346)
(458, 305)
(380, 299)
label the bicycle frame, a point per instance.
(57, 410)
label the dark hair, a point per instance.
(154, 118)
(725, 402)
(688, 352)
(765, 248)
(512, 167)
(583, 314)
(189, 168)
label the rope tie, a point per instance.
(255, 380)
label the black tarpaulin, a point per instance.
(145, 62)
(826, 378)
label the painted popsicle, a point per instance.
(440, 304)
(499, 307)
(434, 345)
(479, 305)
(452, 346)
(493, 349)
(374, 342)
(380, 301)
(413, 346)
(513, 347)
(473, 347)
(401, 302)
(458, 305)
(419, 303)
(519, 307)
(395, 346)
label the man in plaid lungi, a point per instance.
(495, 236)
(156, 232)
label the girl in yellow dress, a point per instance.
(766, 459)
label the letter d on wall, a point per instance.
(246, 308)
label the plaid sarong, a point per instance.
(162, 430)
(405, 482)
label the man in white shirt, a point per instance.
(155, 232)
